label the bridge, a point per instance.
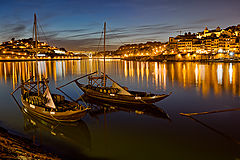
(89, 54)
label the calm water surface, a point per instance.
(132, 133)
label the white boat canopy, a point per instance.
(122, 91)
(50, 102)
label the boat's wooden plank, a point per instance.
(124, 99)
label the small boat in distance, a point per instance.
(39, 101)
(112, 92)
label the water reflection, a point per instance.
(65, 134)
(99, 108)
(183, 78)
(220, 73)
(217, 77)
(227, 136)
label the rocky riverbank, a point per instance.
(16, 147)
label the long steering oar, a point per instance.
(75, 80)
(210, 112)
(12, 94)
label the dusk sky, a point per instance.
(77, 24)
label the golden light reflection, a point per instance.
(147, 72)
(156, 73)
(164, 77)
(230, 70)
(131, 69)
(125, 69)
(196, 74)
(216, 77)
(13, 76)
(184, 75)
(142, 70)
(219, 73)
(206, 78)
(138, 71)
(5, 73)
(15, 72)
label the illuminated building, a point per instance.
(25, 47)
(219, 43)
(142, 49)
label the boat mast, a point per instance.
(36, 47)
(104, 67)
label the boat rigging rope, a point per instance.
(40, 26)
(99, 46)
(115, 35)
(100, 41)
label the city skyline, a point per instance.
(77, 25)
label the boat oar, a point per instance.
(210, 112)
(75, 80)
(17, 102)
(65, 94)
(29, 79)
(16, 89)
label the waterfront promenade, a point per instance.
(32, 58)
(186, 58)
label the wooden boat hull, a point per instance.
(121, 98)
(67, 116)
(99, 107)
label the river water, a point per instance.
(129, 132)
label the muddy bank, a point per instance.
(16, 147)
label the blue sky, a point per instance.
(77, 24)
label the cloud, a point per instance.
(81, 44)
(72, 30)
(83, 35)
(10, 28)
(64, 31)
(88, 39)
(203, 21)
(74, 40)
(117, 30)
(19, 28)
(9, 31)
